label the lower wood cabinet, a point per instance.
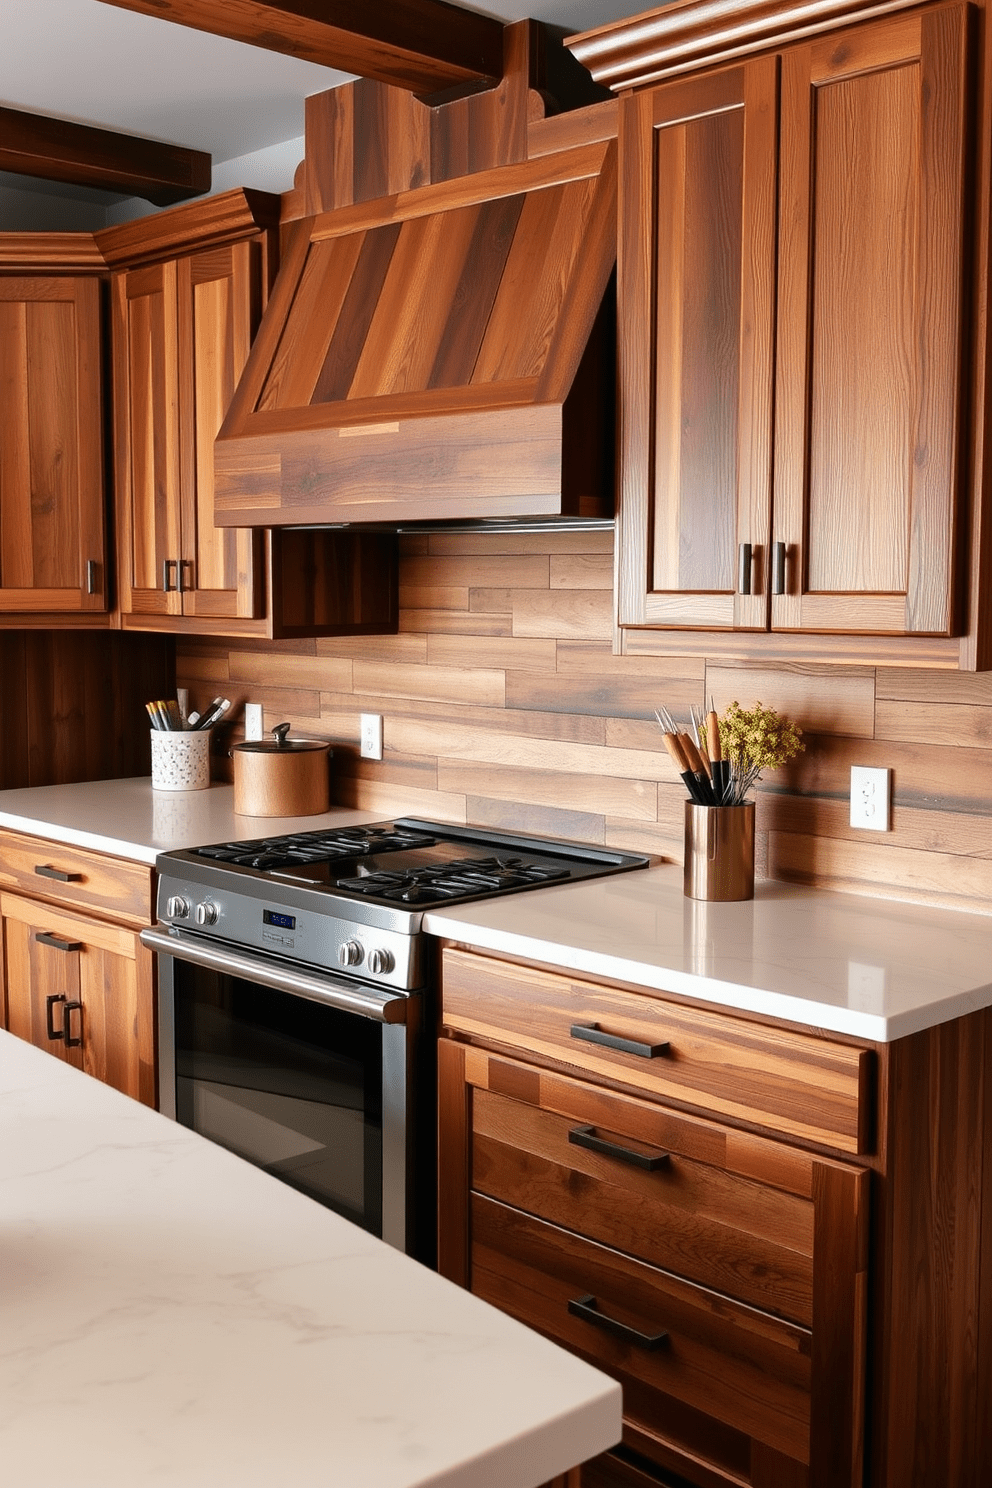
(81, 989)
(76, 980)
(719, 1276)
(779, 1241)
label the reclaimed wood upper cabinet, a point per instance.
(182, 330)
(793, 267)
(52, 529)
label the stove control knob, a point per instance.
(350, 953)
(380, 962)
(205, 913)
(177, 908)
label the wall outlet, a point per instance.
(870, 798)
(371, 736)
(254, 721)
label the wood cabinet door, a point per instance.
(696, 288)
(83, 990)
(869, 376)
(219, 306)
(146, 396)
(52, 528)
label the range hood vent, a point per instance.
(443, 354)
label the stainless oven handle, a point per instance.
(367, 1002)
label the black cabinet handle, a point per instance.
(43, 871)
(71, 1007)
(778, 567)
(593, 1034)
(44, 937)
(745, 553)
(167, 585)
(586, 1309)
(92, 576)
(53, 1032)
(185, 575)
(584, 1136)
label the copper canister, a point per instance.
(281, 776)
(719, 851)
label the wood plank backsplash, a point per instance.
(503, 704)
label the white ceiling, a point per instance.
(95, 64)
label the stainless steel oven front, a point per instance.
(316, 1078)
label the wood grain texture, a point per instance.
(425, 45)
(51, 454)
(573, 748)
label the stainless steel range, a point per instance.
(296, 1007)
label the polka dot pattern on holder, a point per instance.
(180, 760)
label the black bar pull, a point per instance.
(745, 554)
(72, 1007)
(53, 1032)
(44, 937)
(585, 1136)
(593, 1034)
(778, 567)
(167, 564)
(185, 575)
(586, 1309)
(44, 871)
(92, 576)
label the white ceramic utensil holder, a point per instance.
(180, 760)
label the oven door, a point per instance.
(305, 1075)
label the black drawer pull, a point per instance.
(43, 871)
(586, 1309)
(593, 1034)
(44, 937)
(583, 1136)
(71, 1007)
(53, 1032)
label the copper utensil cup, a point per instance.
(719, 851)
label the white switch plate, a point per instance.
(254, 721)
(371, 735)
(870, 798)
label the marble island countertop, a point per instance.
(171, 1316)
(871, 968)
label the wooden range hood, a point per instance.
(443, 353)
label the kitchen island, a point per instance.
(174, 1316)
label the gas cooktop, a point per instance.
(356, 895)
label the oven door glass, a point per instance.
(293, 1086)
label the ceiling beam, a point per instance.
(36, 145)
(428, 47)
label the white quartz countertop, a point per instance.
(867, 967)
(171, 1316)
(130, 820)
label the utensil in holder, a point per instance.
(719, 851)
(180, 759)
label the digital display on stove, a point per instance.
(284, 921)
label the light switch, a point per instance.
(870, 798)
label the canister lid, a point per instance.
(279, 744)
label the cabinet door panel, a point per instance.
(100, 967)
(52, 554)
(872, 192)
(147, 398)
(218, 308)
(697, 288)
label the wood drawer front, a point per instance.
(712, 1225)
(798, 1084)
(744, 1373)
(112, 886)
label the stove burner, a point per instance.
(462, 879)
(314, 847)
